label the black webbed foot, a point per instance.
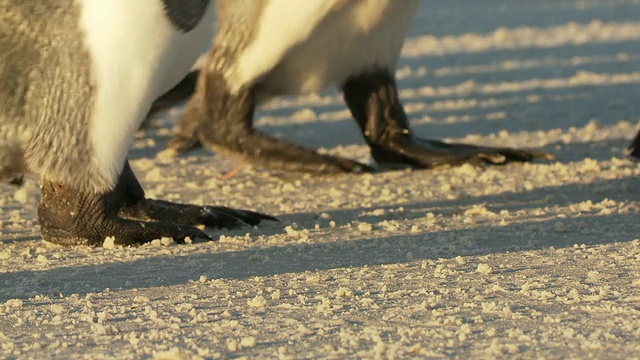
(374, 104)
(223, 122)
(137, 207)
(217, 217)
(70, 217)
(410, 151)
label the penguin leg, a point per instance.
(71, 217)
(374, 104)
(222, 120)
(136, 206)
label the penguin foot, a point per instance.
(217, 217)
(70, 217)
(136, 206)
(374, 104)
(409, 151)
(257, 148)
(223, 122)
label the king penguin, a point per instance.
(78, 77)
(268, 48)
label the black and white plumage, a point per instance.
(267, 48)
(78, 78)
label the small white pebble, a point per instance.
(248, 341)
(232, 345)
(484, 268)
(167, 241)
(14, 303)
(257, 302)
(109, 243)
(21, 195)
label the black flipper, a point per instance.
(71, 217)
(374, 104)
(223, 122)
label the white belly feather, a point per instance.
(304, 46)
(136, 56)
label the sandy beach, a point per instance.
(537, 260)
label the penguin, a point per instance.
(268, 48)
(78, 77)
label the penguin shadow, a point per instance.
(19, 236)
(18, 222)
(536, 233)
(619, 190)
(601, 150)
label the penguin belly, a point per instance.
(136, 55)
(348, 38)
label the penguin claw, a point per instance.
(217, 217)
(427, 154)
(375, 105)
(228, 217)
(71, 217)
(280, 155)
(251, 146)
(133, 205)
